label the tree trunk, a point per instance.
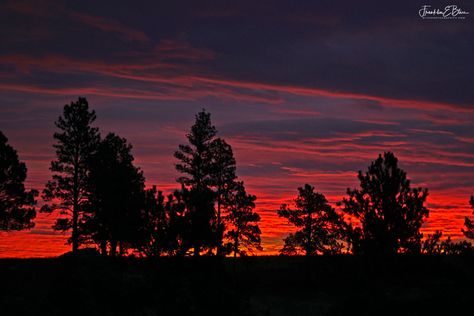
(75, 212)
(308, 234)
(121, 249)
(75, 237)
(197, 250)
(113, 248)
(103, 248)
(236, 242)
(219, 240)
(236, 248)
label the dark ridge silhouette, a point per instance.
(321, 228)
(334, 285)
(16, 204)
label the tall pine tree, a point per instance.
(195, 162)
(208, 168)
(76, 141)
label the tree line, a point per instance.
(101, 198)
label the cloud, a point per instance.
(185, 83)
(112, 26)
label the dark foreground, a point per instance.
(249, 286)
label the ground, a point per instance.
(339, 285)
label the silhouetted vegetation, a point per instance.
(16, 204)
(208, 165)
(76, 141)
(115, 196)
(101, 196)
(468, 223)
(196, 163)
(321, 228)
(223, 182)
(433, 245)
(163, 223)
(389, 210)
(244, 232)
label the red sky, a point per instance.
(303, 93)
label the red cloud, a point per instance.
(189, 82)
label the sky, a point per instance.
(304, 91)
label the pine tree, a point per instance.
(116, 197)
(244, 233)
(195, 158)
(223, 180)
(16, 204)
(196, 163)
(431, 245)
(321, 228)
(76, 141)
(389, 210)
(161, 224)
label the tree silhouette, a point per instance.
(76, 141)
(16, 204)
(162, 224)
(115, 196)
(389, 210)
(431, 245)
(223, 179)
(434, 246)
(321, 228)
(449, 247)
(179, 229)
(244, 234)
(196, 158)
(196, 162)
(468, 223)
(208, 165)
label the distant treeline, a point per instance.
(100, 196)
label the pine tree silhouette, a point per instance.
(76, 141)
(16, 204)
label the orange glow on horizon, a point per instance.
(42, 241)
